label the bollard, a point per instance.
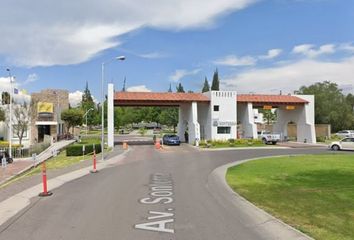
(45, 192)
(125, 145)
(94, 170)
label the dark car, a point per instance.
(171, 140)
(6, 155)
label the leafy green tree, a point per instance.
(206, 87)
(350, 100)
(72, 117)
(180, 88)
(268, 115)
(88, 103)
(331, 106)
(216, 81)
(2, 115)
(5, 98)
(169, 117)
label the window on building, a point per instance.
(224, 130)
(216, 108)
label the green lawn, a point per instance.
(314, 193)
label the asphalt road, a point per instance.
(152, 194)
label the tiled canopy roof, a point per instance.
(270, 99)
(174, 99)
(154, 98)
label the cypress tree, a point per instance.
(206, 87)
(170, 89)
(216, 82)
(180, 88)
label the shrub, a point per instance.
(231, 140)
(76, 149)
(321, 139)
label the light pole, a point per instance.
(10, 118)
(120, 58)
(85, 115)
(58, 114)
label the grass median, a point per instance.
(313, 193)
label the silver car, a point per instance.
(345, 133)
(344, 144)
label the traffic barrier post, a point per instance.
(45, 192)
(125, 145)
(94, 170)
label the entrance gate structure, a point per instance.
(214, 115)
(298, 109)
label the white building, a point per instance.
(223, 115)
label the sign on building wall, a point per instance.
(217, 123)
(45, 107)
(267, 107)
(290, 107)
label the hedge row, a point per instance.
(76, 149)
(231, 143)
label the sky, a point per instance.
(258, 46)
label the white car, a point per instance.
(267, 137)
(345, 133)
(344, 144)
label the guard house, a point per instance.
(217, 115)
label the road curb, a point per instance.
(263, 222)
(242, 148)
(14, 204)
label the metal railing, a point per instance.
(26, 152)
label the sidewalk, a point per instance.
(23, 164)
(17, 196)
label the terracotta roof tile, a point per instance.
(277, 99)
(154, 97)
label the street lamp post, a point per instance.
(10, 118)
(120, 58)
(85, 115)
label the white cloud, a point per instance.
(139, 88)
(153, 55)
(272, 53)
(291, 76)
(33, 77)
(235, 61)
(75, 98)
(347, 47)
(181, 73)
(71, 32)
(5, 87)
(310, 50)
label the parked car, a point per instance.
(344, 144)
(171, 140)
(345, 133)
(6, 155)
(267, 137)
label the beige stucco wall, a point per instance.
(59, 99)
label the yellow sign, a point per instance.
(290, 107)
(267, 107)
(44, 107)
